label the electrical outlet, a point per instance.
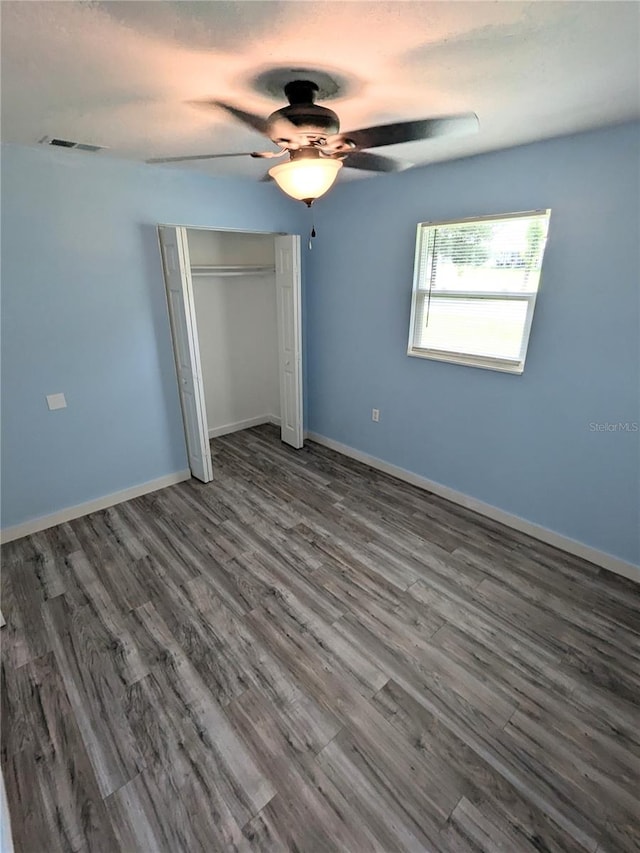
(56, 401)
(375, 415)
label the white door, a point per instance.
(177, 276)
(288, 291)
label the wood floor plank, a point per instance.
(183, 798)
(285, 577)
(577, 629)
(320, 678)
(185, 772)
(310, 813)
(491, 625)
(508, 763)
(166, 541)
(110, 544)
(307, 654)
(355, 591)
(30, 828)
(604, 667)
(389, 504)
(94, 691)
(343, 551)
(478, 781)
(321, 640)
(350, 585)
(53, 793)
(253, 664)
(603, 745)
(203, 505)
(240, 590)
(621, 836)
(428, 559)
(220, 646)
(246, 502)
(521, 677)
(451, 687)
(469, 828)
(544, 584)
(404, 629)
(608, 713)
(24, 637)
(32, 696)
(142, 820)
(392, 827)
(46, 565)
(262, 833)
(106, 622)
(250, 789)
(597, 787)
(409, 794)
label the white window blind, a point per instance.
(475, 285)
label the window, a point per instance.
(474, 289)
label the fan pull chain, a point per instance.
(312, 233)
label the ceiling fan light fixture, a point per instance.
(306, 179)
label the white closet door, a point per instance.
(177, 276)
(288, 291)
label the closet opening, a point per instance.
(234, 308)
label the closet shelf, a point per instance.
(231, 269)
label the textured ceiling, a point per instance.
(121, 74)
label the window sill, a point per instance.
(501, 365)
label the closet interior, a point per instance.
(234, 290)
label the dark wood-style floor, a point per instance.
(307, 655)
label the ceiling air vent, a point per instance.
(67, 143)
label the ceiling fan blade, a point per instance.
(256, 122)
(259, 154)
(408, 131)
(372, 162)
(276, 127)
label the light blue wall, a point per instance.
(521, 443)
(84, 312)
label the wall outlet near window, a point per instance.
(375, 415)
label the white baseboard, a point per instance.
(543, 534)
(248, 422)
(68, 514)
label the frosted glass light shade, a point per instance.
(306, 180)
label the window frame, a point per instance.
(505, 365)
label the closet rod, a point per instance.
(231, 269)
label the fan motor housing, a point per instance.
(309, 117)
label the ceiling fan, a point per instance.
(310, 135)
